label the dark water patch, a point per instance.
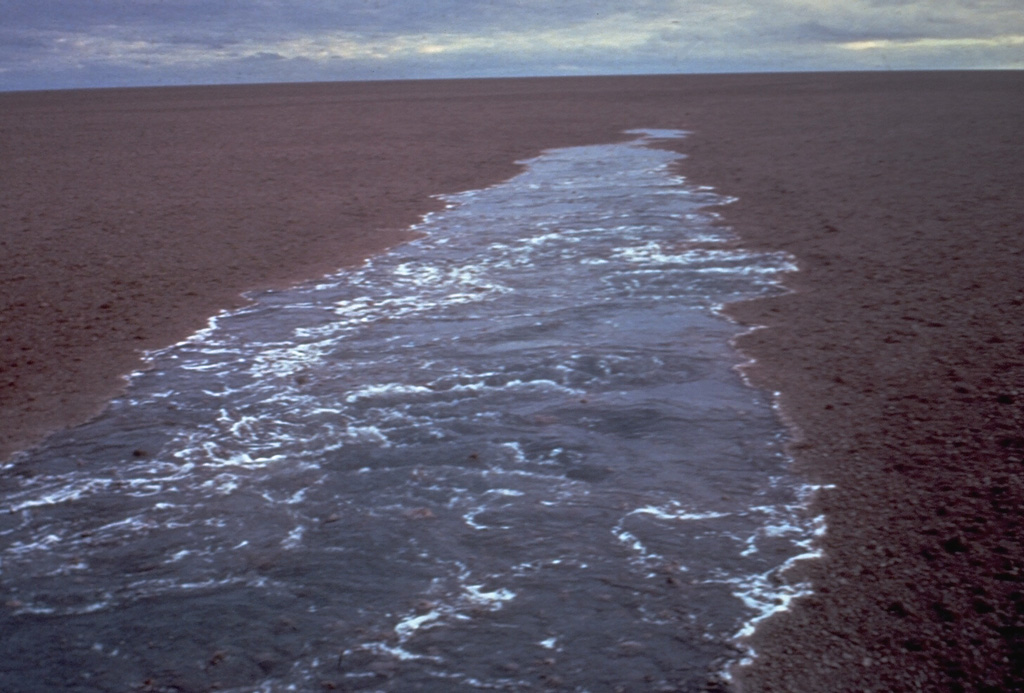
(512, 454)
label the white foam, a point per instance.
(470, 518)
(44, 543)
(507, 492)
(493, 599)
(53, 496)
(294, 538)
(675, 511)
(770, 592)
(385, 390)
(629, 539)
(407, 627)
(40, 610)
(397, 652)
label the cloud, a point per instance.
(936, 43)
(67, 43)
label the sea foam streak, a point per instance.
(513, 453)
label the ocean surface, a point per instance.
(515, 454)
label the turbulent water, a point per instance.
(514, 454)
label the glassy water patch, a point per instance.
(513, 454)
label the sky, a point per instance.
(49, 44)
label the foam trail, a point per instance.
(515, 450)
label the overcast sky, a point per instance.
(87, 43)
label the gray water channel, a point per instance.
(512, 455)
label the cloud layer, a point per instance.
(74, 43)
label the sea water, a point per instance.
(514, 454)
